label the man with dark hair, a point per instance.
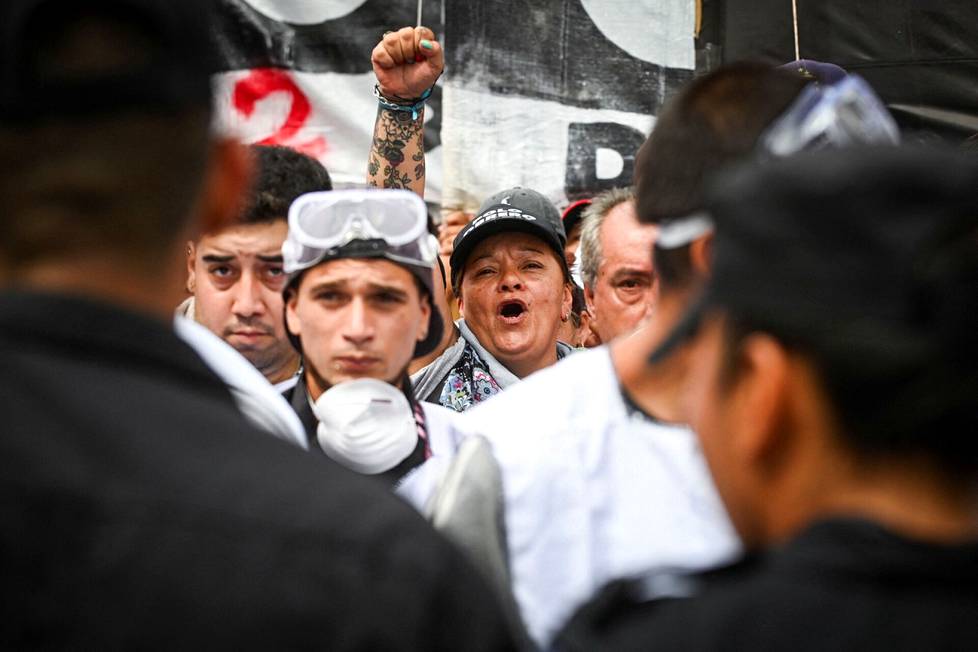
(140, 509)
(834, 395)
(235, 274)
(718, 120)
(283, 174)
(715, 121)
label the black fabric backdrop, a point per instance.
(921, 56)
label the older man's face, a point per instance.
(624, 291)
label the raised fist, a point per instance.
(407, 62)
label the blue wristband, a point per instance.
(413, 106)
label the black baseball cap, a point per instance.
(516, 210)
(865, 253)
(160, 57)
(574, 213)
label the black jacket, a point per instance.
(840, 585)
(140, 510)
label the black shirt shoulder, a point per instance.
(840, 585)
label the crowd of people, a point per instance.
(733, 406)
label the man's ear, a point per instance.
(590, 338)
(589, 298)
(701, 255)
(292, 322)
(425, 316)
(762, 395)
(226, 187)
(593, 324)
(191, 267)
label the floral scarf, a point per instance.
(469, 382)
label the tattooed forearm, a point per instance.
(419, 168)
(397, 138)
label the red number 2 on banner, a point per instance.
(262, 82)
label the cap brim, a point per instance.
(436, 330)
(463, 249)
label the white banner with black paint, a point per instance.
(298, 73)
(555, 94)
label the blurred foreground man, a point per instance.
(834, 398)
(140, 508)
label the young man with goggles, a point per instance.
(358, 307)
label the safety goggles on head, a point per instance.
(845, 113)
(681, 231)
(390, 224)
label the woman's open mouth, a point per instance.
(512, 311)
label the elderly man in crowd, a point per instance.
(141, 511)
(236, 274)
(616, 265)
(835, 404)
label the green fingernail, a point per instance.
(427, 45)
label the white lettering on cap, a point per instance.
(500, 213)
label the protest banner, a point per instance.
(555, 95)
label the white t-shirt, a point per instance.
(594, 491)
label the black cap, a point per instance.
(574, 213)
(166, 65)
(517, 210)
(861, 252)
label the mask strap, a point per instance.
(419, 419)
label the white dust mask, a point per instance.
(366, 425)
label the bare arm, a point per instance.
(396, 157)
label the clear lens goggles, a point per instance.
(388, 223)
(845, 113)
(841, 114)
